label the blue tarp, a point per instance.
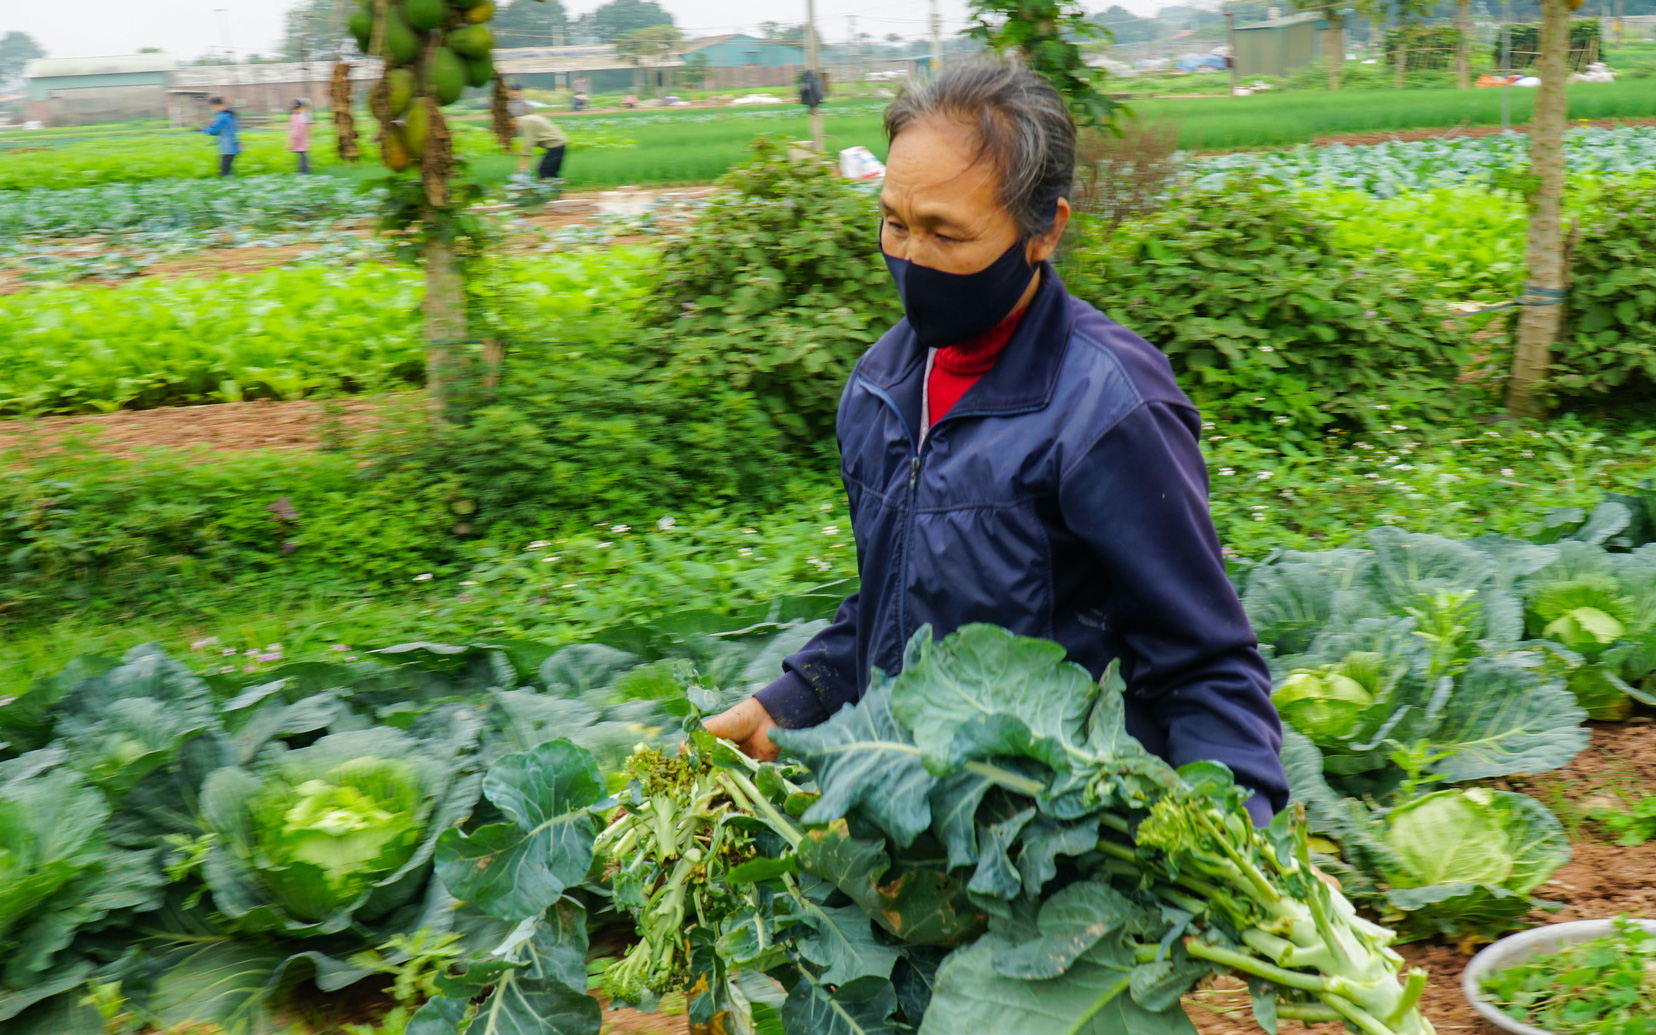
(1191, 62)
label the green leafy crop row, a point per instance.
(287, 333)
(65, 163)
(1394, 168)
(239, 203)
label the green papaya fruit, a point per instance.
(480, 13)
(473, 41)
(479, 70)
(400, 41)
(394, 151)
(425, 15)
(361, 25)
(402, 90)
(415, 127)
(448, 75)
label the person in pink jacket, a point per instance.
(299, 122)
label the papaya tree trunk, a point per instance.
(1402, 56)
(1334, 47)
(445, 322)
(339, 105)
(1544, 254)
(1463, 44)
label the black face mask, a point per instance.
(949, 308)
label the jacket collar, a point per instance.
(1022, 379)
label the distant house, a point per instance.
(1279, 46)
(598, 65)
(737, 60)
(268, 87)
(77, 91)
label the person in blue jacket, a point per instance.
(224, 126)
(1012, 456)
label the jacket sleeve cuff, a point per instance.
(792, 703)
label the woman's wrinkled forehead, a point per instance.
(938, 164)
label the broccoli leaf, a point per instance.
(1071, 922)
(1089, 999)
(864, 760)
(843, 944)
(519, 868)
(992, 693)
(861, 1007)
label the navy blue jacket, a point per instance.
(1065, 497)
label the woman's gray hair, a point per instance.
(1023, 127)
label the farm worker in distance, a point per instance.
(299, 123)
(224, 127)
(539, 131)
(1013, 456)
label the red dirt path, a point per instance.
(218, 426)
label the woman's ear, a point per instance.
(1043, 247)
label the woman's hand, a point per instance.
(748, 726)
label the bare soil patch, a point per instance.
(632, 1022)
(216, 427)
(1601, 880)
(206, 263)
(252, 259)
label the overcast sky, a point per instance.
(187, 29)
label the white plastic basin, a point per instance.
(1520, 948)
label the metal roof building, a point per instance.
(1279, 46)
(69, 91)
(268, 87)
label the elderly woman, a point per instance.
(1012, 456)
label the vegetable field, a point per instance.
(320, 715)
(347, 818)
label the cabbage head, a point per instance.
(58, 876)
(1326, 704)
(314, 839)
(1467, 859)
(51, 833)
(1586, 614)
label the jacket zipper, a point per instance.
(908, 516)
(908, 534)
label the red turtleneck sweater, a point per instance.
(958, 367)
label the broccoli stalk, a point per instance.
(1296, 932)
(667, 853)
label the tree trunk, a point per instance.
(1334, 48)
(445, 322)
(1463, 44)
(339, 103)
(1402, 57)
(1544, 254)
